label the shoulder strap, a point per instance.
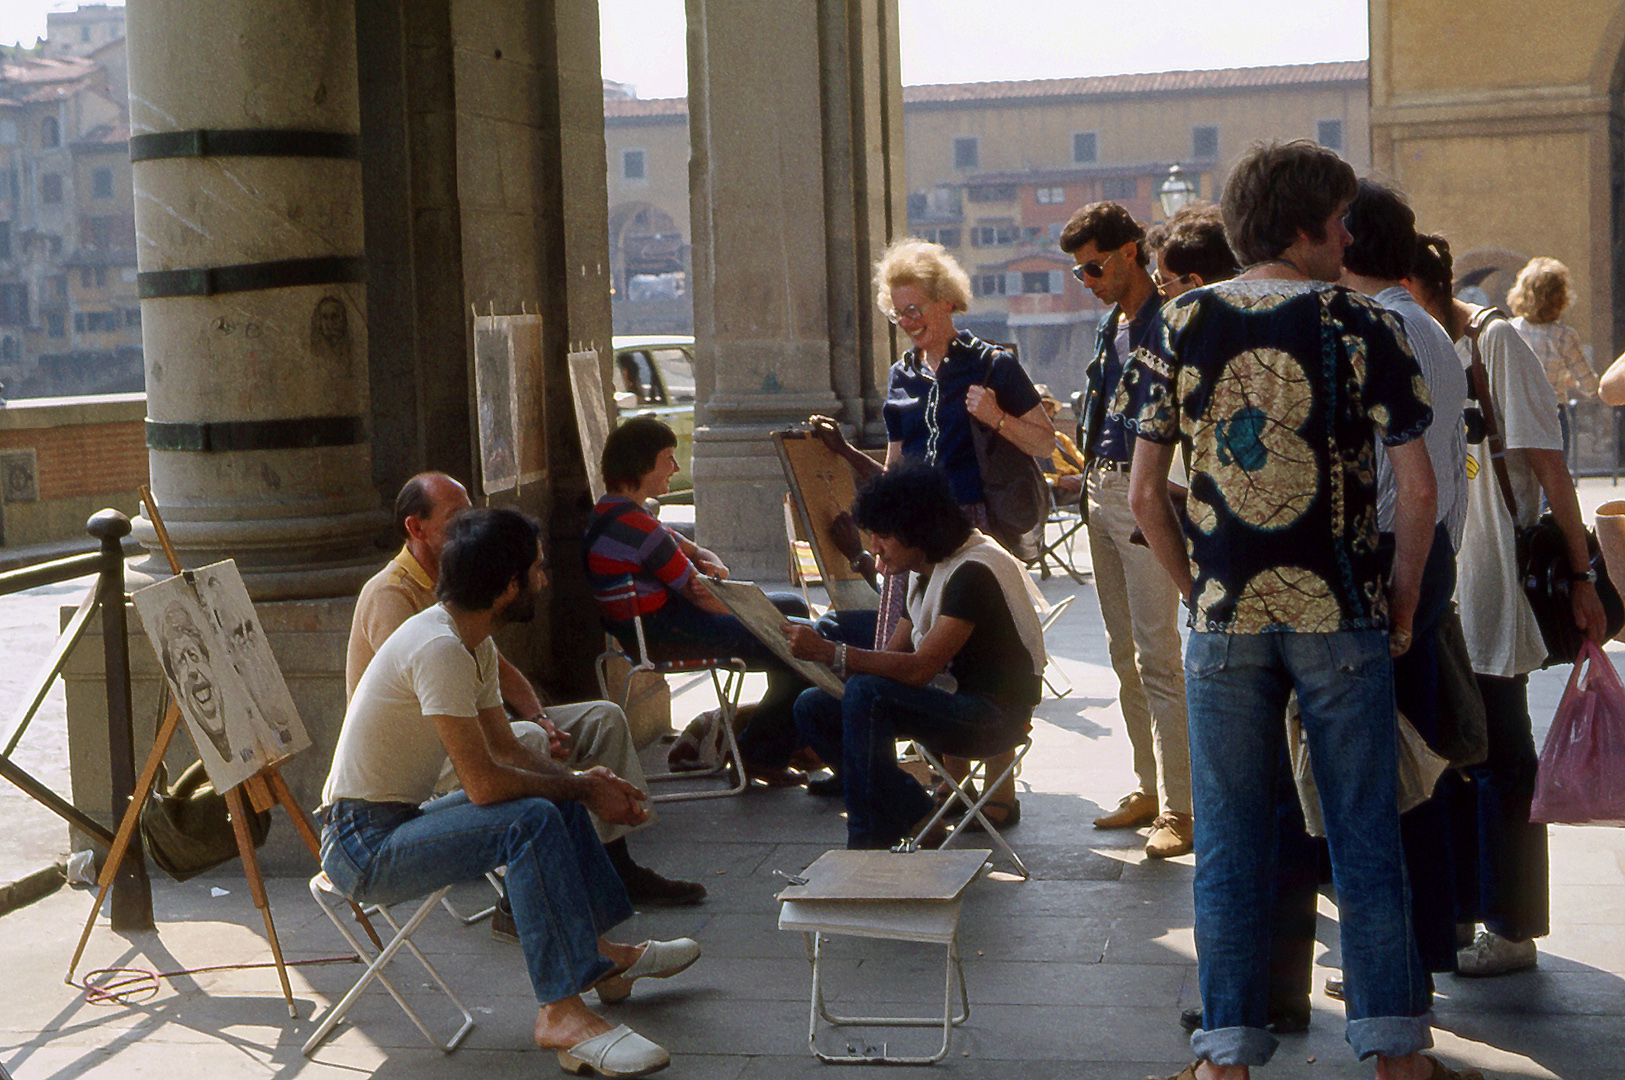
(1479, 377)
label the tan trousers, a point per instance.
(1140, 606)
(599, 735)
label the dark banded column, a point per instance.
(244, 125)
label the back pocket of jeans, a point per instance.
(1206, 654)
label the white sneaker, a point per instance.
(1492, 954)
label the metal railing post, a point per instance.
(132, 892)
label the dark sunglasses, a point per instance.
(1093, 268)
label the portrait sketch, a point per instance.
(497, 404)
(222, 673)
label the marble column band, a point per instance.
(244, 122)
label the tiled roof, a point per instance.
(1341, 73)
(108, 135)
(646, 108)
(46, 71)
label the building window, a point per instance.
(84, 33)
(991, 193)
(5, 239)
(945, 237)
(50, 188)
(1035, 281)
(988, 285)
(101, 232)
(1085, 148)
(101, 277)
(54, 244)
(132, 316)
(8, 133)
(1119, 187)
(60, 287)
(1205, 141)
(99, 322)
(995, 235)
(101, 183)
(8, 348)
(634, 165)
(1051, 195)
(967, 153)
(78, 322)
(1329, 133)
(49, 134)
(14, 304)
(85, 277)
(56, 325)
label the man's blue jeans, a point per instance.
(1237, 686)
(861, 730)
(563, 890)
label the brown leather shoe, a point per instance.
(1136, 809)
(1171, 835)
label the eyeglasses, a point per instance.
(1092, 268)
(912, 313)
(1163, 285)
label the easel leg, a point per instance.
(256, 886)
(301, 824)
(127, 827)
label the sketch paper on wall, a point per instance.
(221, 671)
(497, 404)
(592, 418)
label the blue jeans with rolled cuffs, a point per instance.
(1237, 686)
(564, 892)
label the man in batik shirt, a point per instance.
(1280, 385)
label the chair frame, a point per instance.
(330, 900)
(1050, 620)
(959, 795)
(1071, 522)
(727, 679)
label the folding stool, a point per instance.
(336, 906)
(959, 795)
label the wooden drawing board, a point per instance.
(887, 875)
(821, 486)
(592, 415)
(751, 607)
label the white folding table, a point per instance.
(894, 896)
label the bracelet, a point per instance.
(838, 665)
(1000, 426)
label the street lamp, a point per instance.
(1176, 192)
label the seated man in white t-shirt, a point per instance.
(432, 693)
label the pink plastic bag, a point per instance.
(1582, 767)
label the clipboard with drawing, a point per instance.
(750, 605)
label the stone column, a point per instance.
(244, 126)
(794, 180)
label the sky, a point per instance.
(980, 40)
(996, 40)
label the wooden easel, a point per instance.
(265, 789)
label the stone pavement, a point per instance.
(1080, 972)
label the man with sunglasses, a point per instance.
(1137, 600)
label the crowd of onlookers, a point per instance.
(1273, 446)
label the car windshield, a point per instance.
(677, 372)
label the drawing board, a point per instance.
(221, 671)
(821, 487)
(752, 608)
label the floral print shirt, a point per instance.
(1279, 391)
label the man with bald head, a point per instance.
(581, 735)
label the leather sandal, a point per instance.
(1187, 1073)
(659, 960)
(1011, 816)
(621, 1052)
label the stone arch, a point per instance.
(1503, 264)
(643, 239)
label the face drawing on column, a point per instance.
(330, 330)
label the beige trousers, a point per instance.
(1140, 606)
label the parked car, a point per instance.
(654, 376)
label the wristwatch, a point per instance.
(1590, 576)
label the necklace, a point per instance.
(1274, 262)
